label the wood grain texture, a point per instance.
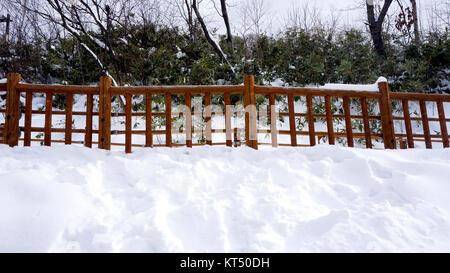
(443, 123)
(407, 119)
(48, 119)
(168, 103)
(292, 125)
(148, 120)
(387, 122)
(251, 134)
(425, 124)
(128, 122)
(228, 113)
(311, 129)
(348, 122)
(68, 125)
(105, 113)
(28, 117)
(329, 116)
(11, 130)
(89, 110)
(366, 122)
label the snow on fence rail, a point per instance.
(105, 91)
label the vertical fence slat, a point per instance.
(443, 122)
(348, 122)
(28, 116)
(330, 127)
(11, 129)
(168, 119)
(292, 126)
(366, 122)
(89, 110)
(425, 124)
(148, 120)
(208, 118)
(48, 119)
(387, 122)
(105, 113)
(273, 120)
(408, 127)
(68, 131)
(228, 133)
(188, 116)
(312, 133)
(128, 122)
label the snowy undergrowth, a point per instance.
(71, 199)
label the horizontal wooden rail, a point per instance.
(176, 90)
(58, 89)
(420, 96)
(301, 91)
(355, 122)
(282, 114)
(420, 119)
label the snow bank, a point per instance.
(355, 87)
(71, 199)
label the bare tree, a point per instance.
(185, 10)
(226, 20)
(91, 23)
(151, 11)
(208, 37)
(256, 17)
(416, 21)
(309, 18)
(376, 24)
(80, 18)
(438, 15)
(406, 19)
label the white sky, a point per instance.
(349, 12)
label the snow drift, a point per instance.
(74, 199)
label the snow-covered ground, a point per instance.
(219, 199)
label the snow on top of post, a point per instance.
(355, 87)
(381, 79)
(3, 80)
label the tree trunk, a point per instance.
(226, 20)
(376, 25)
(416, 21)
(190, 20)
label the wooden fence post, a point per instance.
(251, 134)
(104, 118)
(11, 130)
(387, 121)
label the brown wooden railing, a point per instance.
(383, 99)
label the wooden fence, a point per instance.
(105, 91)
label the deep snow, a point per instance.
(219, 199)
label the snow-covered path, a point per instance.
(218, 199)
